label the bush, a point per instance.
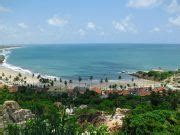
(146, 123)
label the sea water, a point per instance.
(97, 60)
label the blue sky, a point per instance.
(89, 21)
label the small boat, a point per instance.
(123, 71)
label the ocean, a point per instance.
(98, 60)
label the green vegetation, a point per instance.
(154, 75)
(154, 114)
(160, 75)
(157, 122)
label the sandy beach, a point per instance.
(8, 76)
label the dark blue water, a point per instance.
(99, 60)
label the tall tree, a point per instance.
(106, 80)
(70, 82)
(79, 79)
(65, 83)
(119, 77)
(91, 78)
(101, 81)
(60, 80)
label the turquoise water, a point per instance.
(98, 60)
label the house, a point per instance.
(159, 89)
(143, 92)
(97, 90)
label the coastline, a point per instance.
(28, 77)
(10, 72)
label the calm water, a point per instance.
(99, 60)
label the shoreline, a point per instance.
(9, 75)
(33, 80)
(11, 72)
(8, 72)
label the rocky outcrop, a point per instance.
(83, 106)
(12, 113)
(94, 118)
(115, 122)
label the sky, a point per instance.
(89, 21)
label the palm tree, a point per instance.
(132, 79)
(101, 81)
(106, 80)
(91, 78)
(70, 81)
(52, 83)
(79, 79)
(119, 77)
(60, 80)
(19, 75)
(115, 86)
(110, 86)
(65, 83)
(121, 87)
(39, 76)
(134, 84)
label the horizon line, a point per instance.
(88, 43)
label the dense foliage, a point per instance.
(154, 114)
(155, 75)
(160, 75)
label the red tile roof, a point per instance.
(159, 89)
(143, 92)
(97, 90)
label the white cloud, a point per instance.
(118, 26)
(91, 25)
(143, 3)
(125, 25)
(175, 21)
(4, 9)
(23, 25)
(156, 29)
(57, 21)
(174, 7)
(82, 32)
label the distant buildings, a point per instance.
(143, 91)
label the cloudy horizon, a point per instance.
(60, 21)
